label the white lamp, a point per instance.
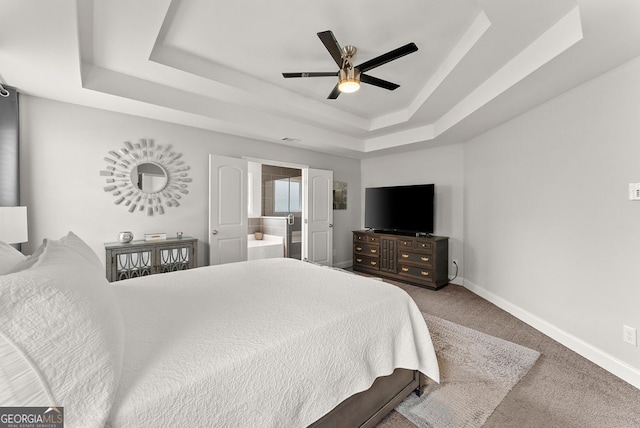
(13, 225)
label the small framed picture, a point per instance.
(339, 195)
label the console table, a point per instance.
(421, 261)
(141, 258)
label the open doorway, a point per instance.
(281, 206)
(235, 196)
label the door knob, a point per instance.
(214, 232)
(330, 224)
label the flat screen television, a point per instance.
(400, 209)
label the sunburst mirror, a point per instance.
(145, 177)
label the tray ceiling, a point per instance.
(217, 65)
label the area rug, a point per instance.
(477, 371)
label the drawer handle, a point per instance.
(374, 263)
(424, 273)
(425, 259)
(358, 248)
(404, 269)
(359, 260)
(373, 250)
(405, 256)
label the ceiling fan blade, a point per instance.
(332, 46)
(311, 74)
(389, 56)
(365, 78)
(334, 94)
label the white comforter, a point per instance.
(265, 343)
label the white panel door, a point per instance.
(228, 227)
(319, 216)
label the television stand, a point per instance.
(416, 260)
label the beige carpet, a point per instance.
(562, 389)
(476, 373)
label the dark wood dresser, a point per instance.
(421, 261)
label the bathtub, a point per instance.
(270, 246)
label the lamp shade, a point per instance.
(13, 225)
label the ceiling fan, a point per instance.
(350, 76)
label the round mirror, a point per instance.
(149, 177)
(146, 177)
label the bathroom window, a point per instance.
(287, 195)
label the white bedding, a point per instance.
(265, 343)
(61, 337)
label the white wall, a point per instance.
(441, 166)
(549, 229)
(548, 232)
(62, 151)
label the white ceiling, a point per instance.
(217, 65)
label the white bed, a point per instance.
(273, 343)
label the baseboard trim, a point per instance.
(344, 265)
(597, 356)
(457, 281)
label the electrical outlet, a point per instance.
(629, 335)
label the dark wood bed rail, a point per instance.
(367, 408)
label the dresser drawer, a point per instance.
(360, 237)
(426, 246)
(366, 263)
(366, 249)
(373, 239)
(415, 244)
(366, 238)
(425, 260)
(405, 243)
(417, 273)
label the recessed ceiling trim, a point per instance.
(214, 114)
(483, 80)
(566, 32)
(239, 88)
(557, 39)
(422, 133)
(251, 92)
(475, 31)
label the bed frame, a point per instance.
(367, 408)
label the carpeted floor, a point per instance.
(477, 371)
(561, 390)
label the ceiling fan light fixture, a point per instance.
(349, 80)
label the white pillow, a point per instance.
(9, 258)
(60, 312)
(70, 241)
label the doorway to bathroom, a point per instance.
(235, 208)
(281, 209)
